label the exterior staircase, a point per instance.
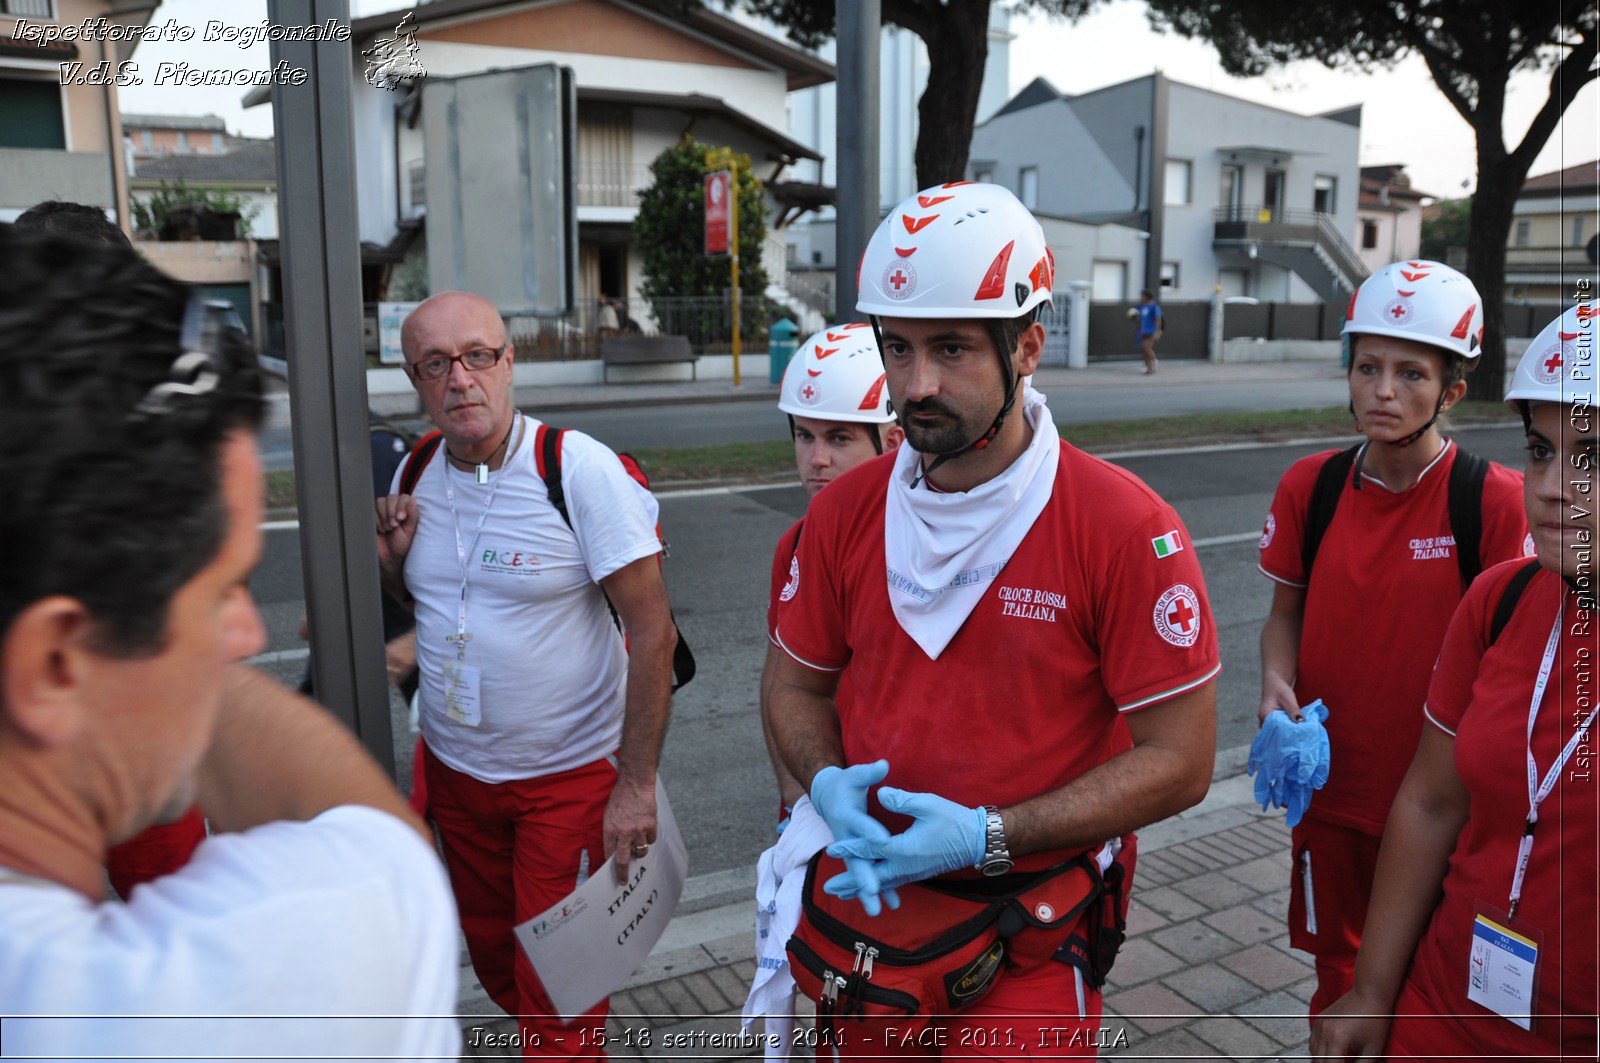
(1303, 241)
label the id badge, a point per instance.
(1503, 965)
(462, 690)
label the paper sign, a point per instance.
(390, 317)
(587, 946)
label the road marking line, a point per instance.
(1224, 540)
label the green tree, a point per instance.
(670, 229)
(1471, 47)
(956, 34)
(1444, 225)
(151, 216)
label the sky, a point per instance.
(1405, 119)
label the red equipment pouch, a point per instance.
(941, 951)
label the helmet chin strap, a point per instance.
(1438, 408)
(1008, 374)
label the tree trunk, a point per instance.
(958, 49)
(1487, 230)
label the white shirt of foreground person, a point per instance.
(318, 940)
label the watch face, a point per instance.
(997, 866)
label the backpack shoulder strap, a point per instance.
(418, 460)
(1324, 501)
(547, 456)
(1467, 474)
(1509, 598)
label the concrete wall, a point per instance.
(201, 261)
(34, 174)
(1076, 176)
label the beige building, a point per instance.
(155, 135)
(1388, 216)
(1552, 240)
(63, 141)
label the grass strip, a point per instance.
(775, 458)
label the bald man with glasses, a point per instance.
(542, 729)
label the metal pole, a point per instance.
(733, 255)
(327, 376)
(857, 126)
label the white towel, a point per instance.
(943, 550)
(780, 876)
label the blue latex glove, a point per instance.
(944, 837)
(1290, 760)
(840, 797)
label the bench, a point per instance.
(646, 350)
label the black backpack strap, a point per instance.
(1509, 598)
(418, 460)
(1466, 512)
(1324, 501)
(547, 451)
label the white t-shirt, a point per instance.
(554, 668)
(346, 917)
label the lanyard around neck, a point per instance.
(1538, 789)
(464, 549)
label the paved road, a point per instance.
(694, 424)
(715, 765)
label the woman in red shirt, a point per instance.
(1481, 939)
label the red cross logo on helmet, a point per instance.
(809, 394)
(899, 279)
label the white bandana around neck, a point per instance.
(943, 550)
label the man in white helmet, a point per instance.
(1031, 656)
(1396, 527)
(838, 405)
(1481, 939)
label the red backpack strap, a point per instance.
(547, 459)
(418, 460)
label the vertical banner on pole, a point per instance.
(719, 193)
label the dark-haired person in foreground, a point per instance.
(165, 846)
(134, 498)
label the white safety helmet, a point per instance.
(1418, 300)
(960, 250)
(837, 375)
(1559, 365)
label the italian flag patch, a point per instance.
(1167, 545)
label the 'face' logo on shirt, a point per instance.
(510, 562)
(1428, 549)
(1031, 603)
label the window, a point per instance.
(1178, 173)
(147, 142)
(36, 9)
(1028, 187)
(1169, 275)
(216, 143)
(1272, 194)
(1110, 281)
(30, 114)
(1577, 231)
(183, 140)
(1523, 229)
(1369, 234)
(1322, 196)
(983, 174)
(417, 176)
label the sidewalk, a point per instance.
(1206, 973)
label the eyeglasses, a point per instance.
(198, 368)
(438, 367)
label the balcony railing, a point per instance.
(1258, 223)
(606, 184)
(1549, 259)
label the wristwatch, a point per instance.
(996, 857)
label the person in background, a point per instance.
(833, 392)
(1150, 323)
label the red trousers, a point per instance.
(1328, 893)
(514, 849)
(158, 851)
